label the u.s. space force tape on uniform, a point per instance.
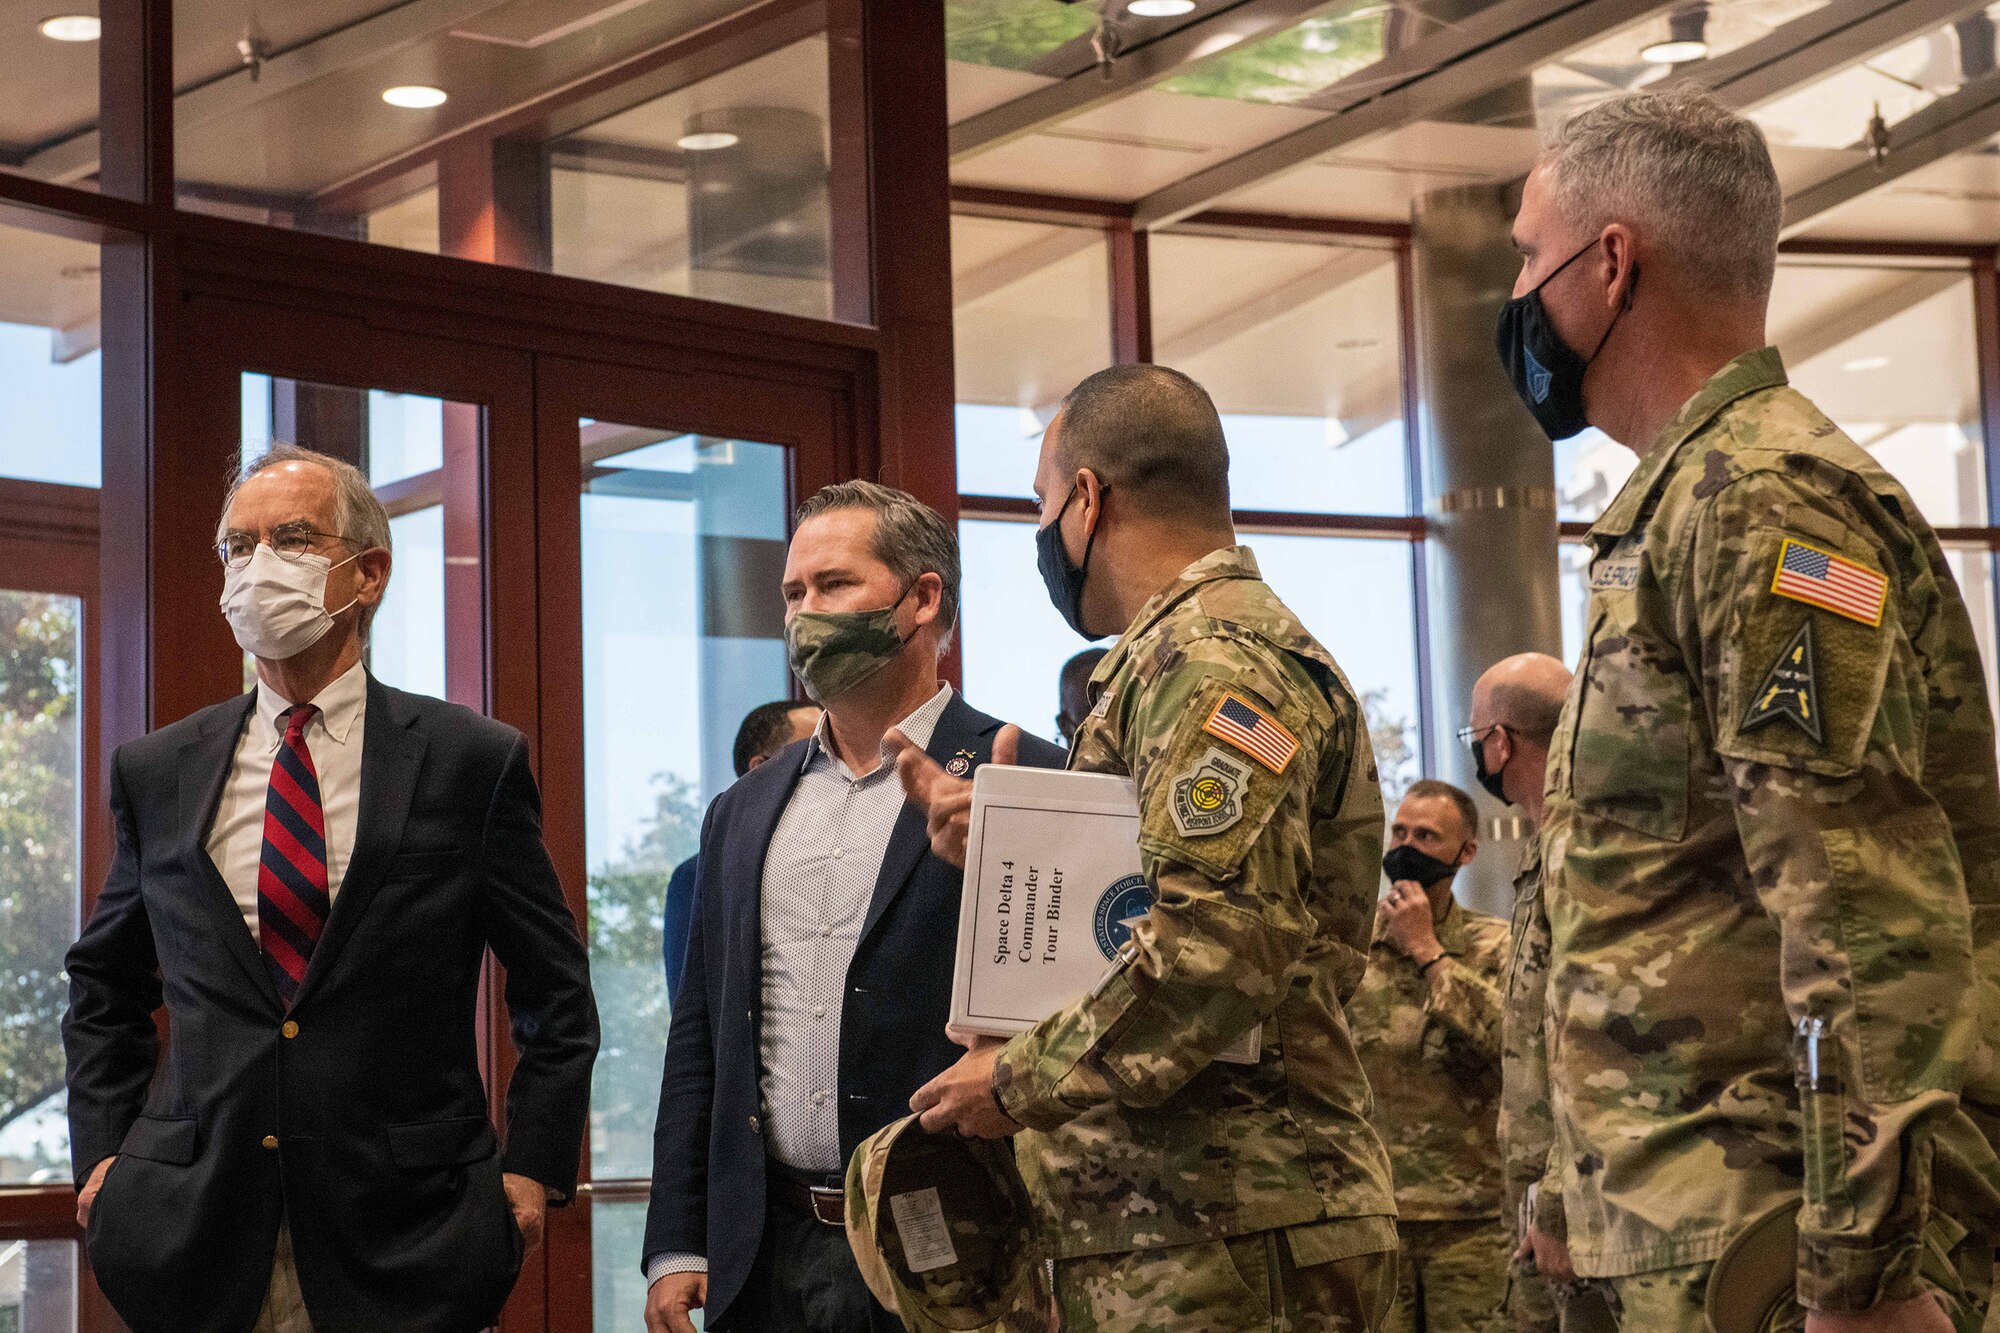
(943, 1232)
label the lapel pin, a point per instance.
(960, 765)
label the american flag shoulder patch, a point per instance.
(1817, 577)
(1253, 731)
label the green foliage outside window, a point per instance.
(40, 684)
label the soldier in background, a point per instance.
(1772, 840)
(1426, 1021)
(1515, 707)
(1176, 1191)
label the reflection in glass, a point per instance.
(1012, 34)
(1033, 317)
(1298, 345)
(1890, 354)
(683, 546)
(1641, 54)
(48, 120)
(38, 1286)
(717, 190)
(41, 687)
(50, 366)
(1973, 568)
(1292, 65)
(1834, 111)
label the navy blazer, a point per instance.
(708, 1143)
(358, 1116)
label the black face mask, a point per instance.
(1491, 781)
(1063, 577)
(1543, 369)
(1407, 863)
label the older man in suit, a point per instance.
(308, 878)
(819, 968)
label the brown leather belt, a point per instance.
(824, 1204)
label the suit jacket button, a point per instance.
(290, 1029)
(270, 1140)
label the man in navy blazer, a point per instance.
(308, 878)
(818, 973)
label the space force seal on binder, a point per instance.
(1052, 888)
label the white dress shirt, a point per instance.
(820, 871)
(333, 737)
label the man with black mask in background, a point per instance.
(1426, 1021)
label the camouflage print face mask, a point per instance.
(833, 651)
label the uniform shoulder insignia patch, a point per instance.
(1208, 798)
(1251, 730)
(1831, 582)
(1790, 689)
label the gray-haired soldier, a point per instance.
(1772, 845)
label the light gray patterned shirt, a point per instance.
(819, 879)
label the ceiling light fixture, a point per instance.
(1159, 9)
(414, 96)
(1866, 363)
(71, 28)
(707, 141)
(1673, 53)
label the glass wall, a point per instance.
(1033, 316)
(50, 361)
(683, 545)
(41, 864)
(378, 122)
(48, 65)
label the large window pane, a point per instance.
(50, 365)
(1890, 354)
(683, 551)
(1357, 596)
(1298, 345)
(1014, 643)
(1033, 317)
(41, 689)
(717, 190)
(373, 120)
(48, 65)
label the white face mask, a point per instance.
(277, 607)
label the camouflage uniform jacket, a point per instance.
(1527, 1130)
(1430, 1044)
(1772, 848)
(1265, 869)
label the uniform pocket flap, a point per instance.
(459, 1141)
(169, 1139)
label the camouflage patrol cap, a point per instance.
(944, 1234)
(1753, 1277)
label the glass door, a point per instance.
(666, 518)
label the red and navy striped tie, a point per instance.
(292, 900)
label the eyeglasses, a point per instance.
(1472, 735)
(291, 542)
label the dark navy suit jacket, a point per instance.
(365, 1125)
(708, 1144)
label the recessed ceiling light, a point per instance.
(414, 96)
(1673, 53)
(1866, 363)
(707, 141)
(1159, 9)
(72, 28)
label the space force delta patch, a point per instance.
(1790, 689)
(1248, 728)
